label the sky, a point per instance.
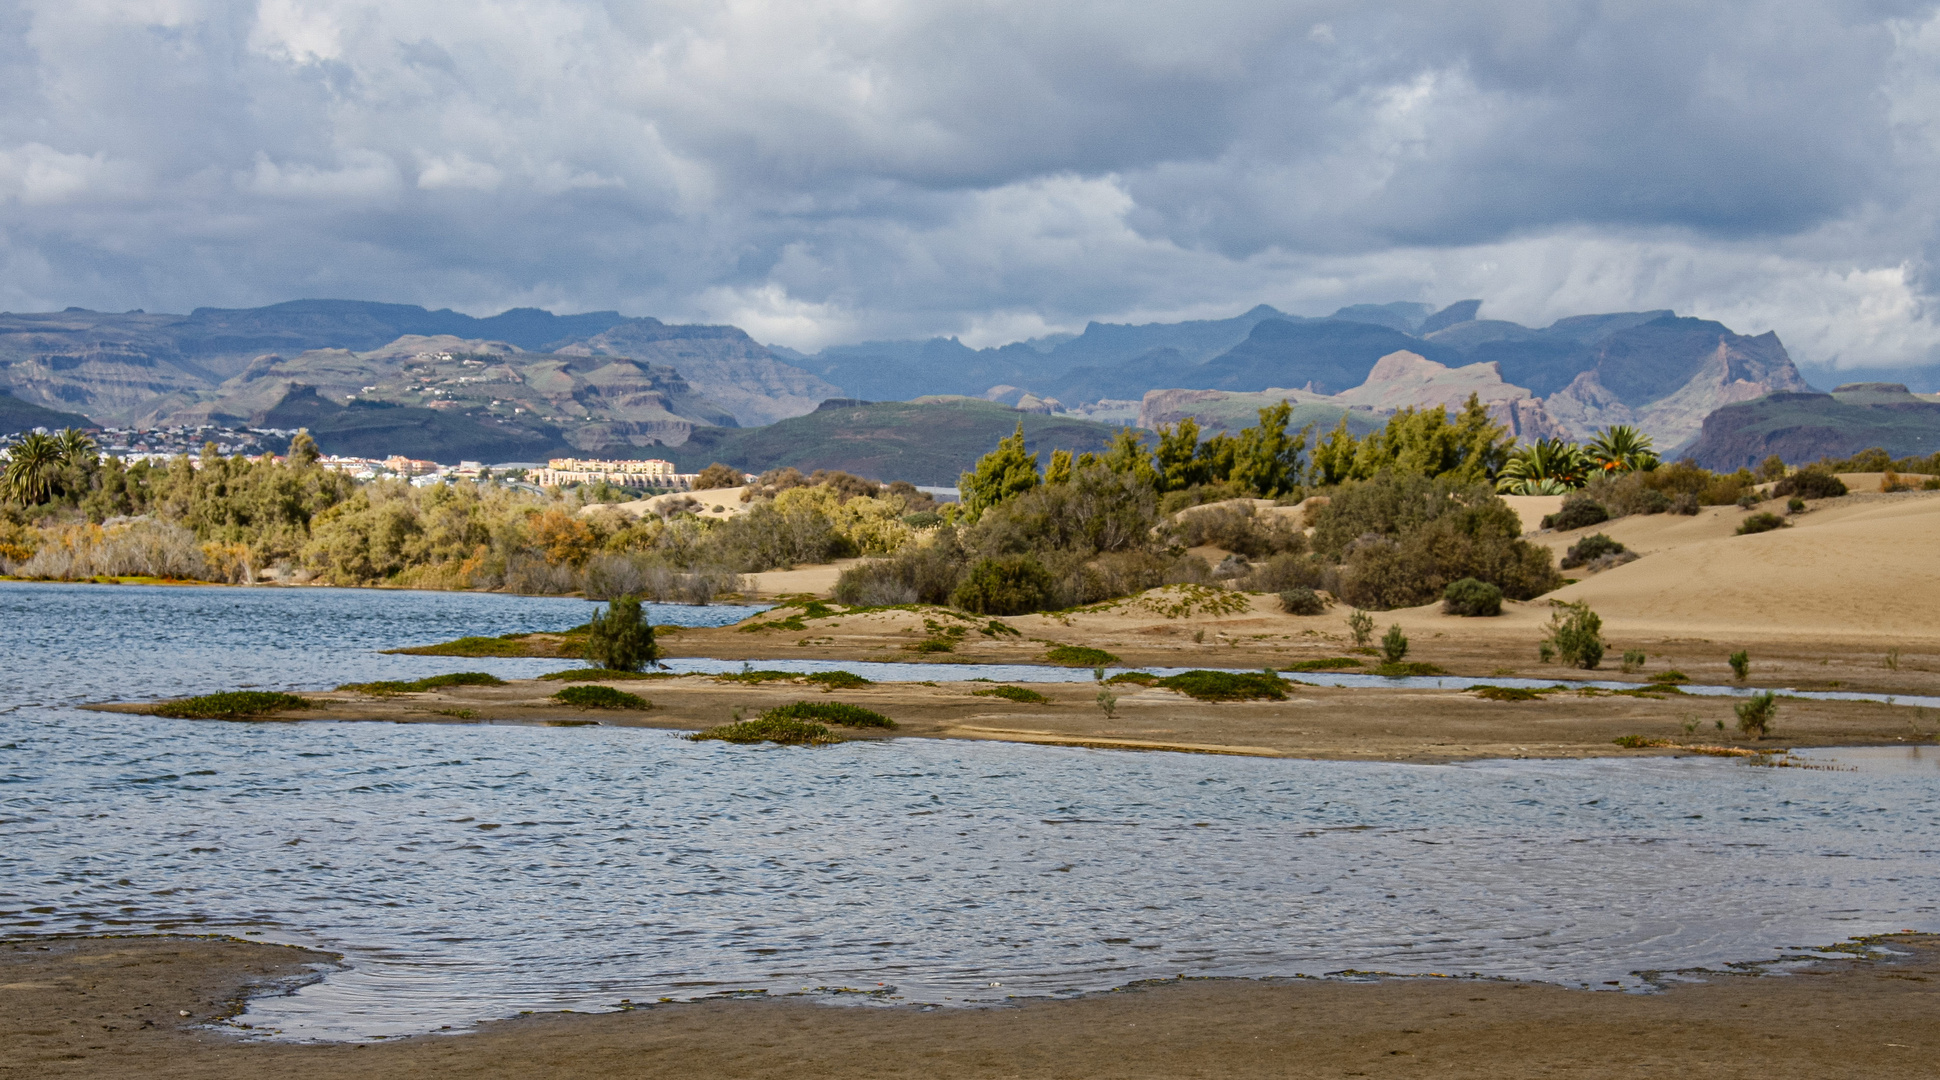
(827, 172)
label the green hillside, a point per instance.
(923, 442)
(17, 416)
(1807, 427)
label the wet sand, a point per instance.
(92, 1007)
(1356, 724)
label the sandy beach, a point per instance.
(95, 1007)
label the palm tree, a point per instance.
(1622, 449)
(1544, 467)
(76, 448)
(31, 467)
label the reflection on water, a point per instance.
(1878, 760)
(470, 872)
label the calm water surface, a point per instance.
(470, 872)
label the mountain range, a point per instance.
(526, 382)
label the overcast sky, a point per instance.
(828, 172)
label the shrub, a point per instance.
(1593, 546)
(1332, 663)
(1140, 677)
(1761, 522)
(1078, 656)
(231, 705)
(593, 674)
(1226, 685)
(1795, 505)
(1811, 482)
(1302, 601)
(473, 647)
(1107, 701)
(1755, 714)
(1406, 669)
(1471, 598)
(1428, 534)
(1576, 635)
(837, 680)
(1013, 693)
(1740, 665)
(1394, 645)
(1579, 511)
(1670, 677)
(458, 678)
(1633, 661)
(600, 697)
(1748, 500)
(718, 475)
(1361, 625)
(1286, 571)
(1235, 527)
(620, 638)
(1505, 693)
(769, 728)
(1684, 503)
(830, 712)
(1011, 585)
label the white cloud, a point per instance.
(824, 170)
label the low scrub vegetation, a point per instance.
(1506, 693)
(1331, 663)
(1013, 693)
(418, 686)
(1812, 483)
(1579, 511)
(1591, 549)
(1302, 601)
(770, 728)
(1576, 636)
(1471, 598)
(829, 712)
(1079, 656)
(1406, 669)
(604, 675)
(232, 705)
(1756, 714)
(474, 647)
(1762, 522)
(837, 680)
(1226, 685)
(593, 696)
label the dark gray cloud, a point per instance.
(828, 171)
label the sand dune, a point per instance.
(1861, 567)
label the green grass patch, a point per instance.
(1506, 693)
(456, 678)
(600, 697)
(1670, 677)
(507, 645)
(769, 728)
(1227, 685)
(1139, 677)
(837, 680)
(756, 677)
(1012, 693)
(931, 645)
(1332, 663)
(593, 674)
(1406, 669)
(232, 705)
(1079, 656)
(830, 712)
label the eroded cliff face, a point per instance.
(1398, 380)
(722, 364)
(1666, 393)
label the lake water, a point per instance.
(471, 872)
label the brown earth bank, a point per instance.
(93, 1007)
(1374, 724)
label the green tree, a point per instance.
(1013, 585)
(1622, 449)
(32, 467)
(1059, 470)
(619, 638)
(1002, 474)
(303, 451)
(1179, 464)
(1128, 456)
(1333, 460)
(76, 448)
(1576, 633)
(1266, 459)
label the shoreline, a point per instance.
(86, 1006)
(1404, 725)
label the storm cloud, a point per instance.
(828, 172)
